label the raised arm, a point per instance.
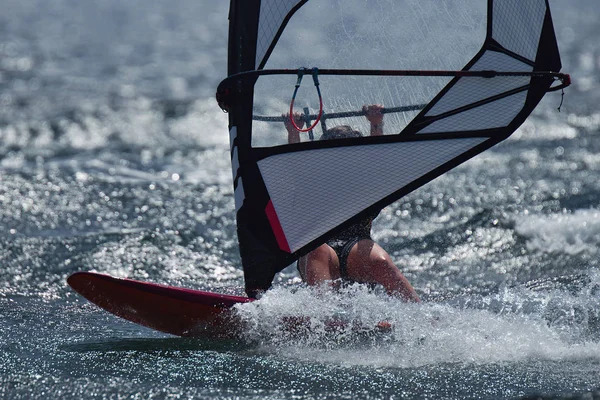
(375, 116)
(293, 134)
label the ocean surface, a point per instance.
(114, 157)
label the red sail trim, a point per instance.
(276, 227)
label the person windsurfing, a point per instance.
(352, 255)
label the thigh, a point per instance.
(367, 261)
(370, 263)
(319, 265)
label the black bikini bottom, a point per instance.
(342, 248)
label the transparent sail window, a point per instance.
(378, 35)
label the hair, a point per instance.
(340, 132)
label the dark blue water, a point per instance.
(114, 157)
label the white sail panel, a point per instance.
(235, 163)
(497, 114)
(272, 16)
(239, 195)
(518, 25)
(313, 191)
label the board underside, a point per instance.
(178, 311)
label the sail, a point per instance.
(455, 78)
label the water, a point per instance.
(114, 157)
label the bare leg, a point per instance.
(320, 265)
(368, 262)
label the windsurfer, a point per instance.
(352, 255)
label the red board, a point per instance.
(178, 311)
